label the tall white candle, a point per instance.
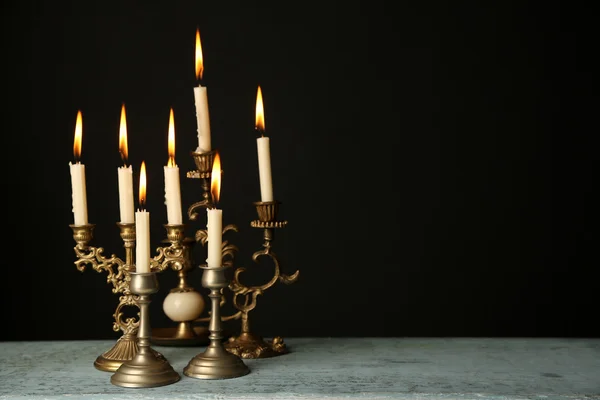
(79, 193)
(215, 228)
(172, 187)
(201, 102)
(214, 223)
(264, 152)
(125, 175)
(77, 169)
(142, 229)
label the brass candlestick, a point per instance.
(145, 369)
(183, 304)
(118, 274)
(248, 344)
(215, 362)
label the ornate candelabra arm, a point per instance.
(247, 344)
(126, 346)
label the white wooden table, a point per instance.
(328, 368)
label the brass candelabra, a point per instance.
(184, 304)
(119, 276)
(175, 256)
(248, 344)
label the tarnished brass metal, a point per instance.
(118, 275)
(248, 344)
(146, 368)
(204, 163)
(215, 362)
(177, 256)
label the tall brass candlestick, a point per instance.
(118, 274)
(215, 362)
(146, 368)
(248, 344)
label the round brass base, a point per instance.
(172, 336)
(104, 364)
(216, 363)
(124, 350)
(248, 345)
(144, 371)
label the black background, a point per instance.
(434, 160)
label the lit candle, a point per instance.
(214, 223)
(201, 101)
(125, 174)
(142, 228)
(172, 188)
(264, 152)
(78, 178)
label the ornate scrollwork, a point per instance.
(93, 256)
(250, 293)
(172, 256)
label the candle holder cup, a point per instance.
(215, 362)
(248, 344)
(118, 275)
(146, 368)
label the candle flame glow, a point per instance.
(199, 61)
(260, 112)
(78, 137)
(143, 185)
(171, 162)
(123, 136)
(215, 179)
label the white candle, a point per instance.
(201, 102)
(214, 223)
(125, 175)
(172, 187)
(79, 193)
(142, 229)
(215, 228)
(264, 152)
(78, 178)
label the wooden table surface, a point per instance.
(328, 368)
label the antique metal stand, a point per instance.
(118, 274)
(183, 304)
(146, 368)
(215, 362)
(248, 344)
(190, 302)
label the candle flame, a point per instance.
(123, 136)
(143, 185)
(215, 179)
(171, 162)
(78, 137)
(260, 112)
(199, 61)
